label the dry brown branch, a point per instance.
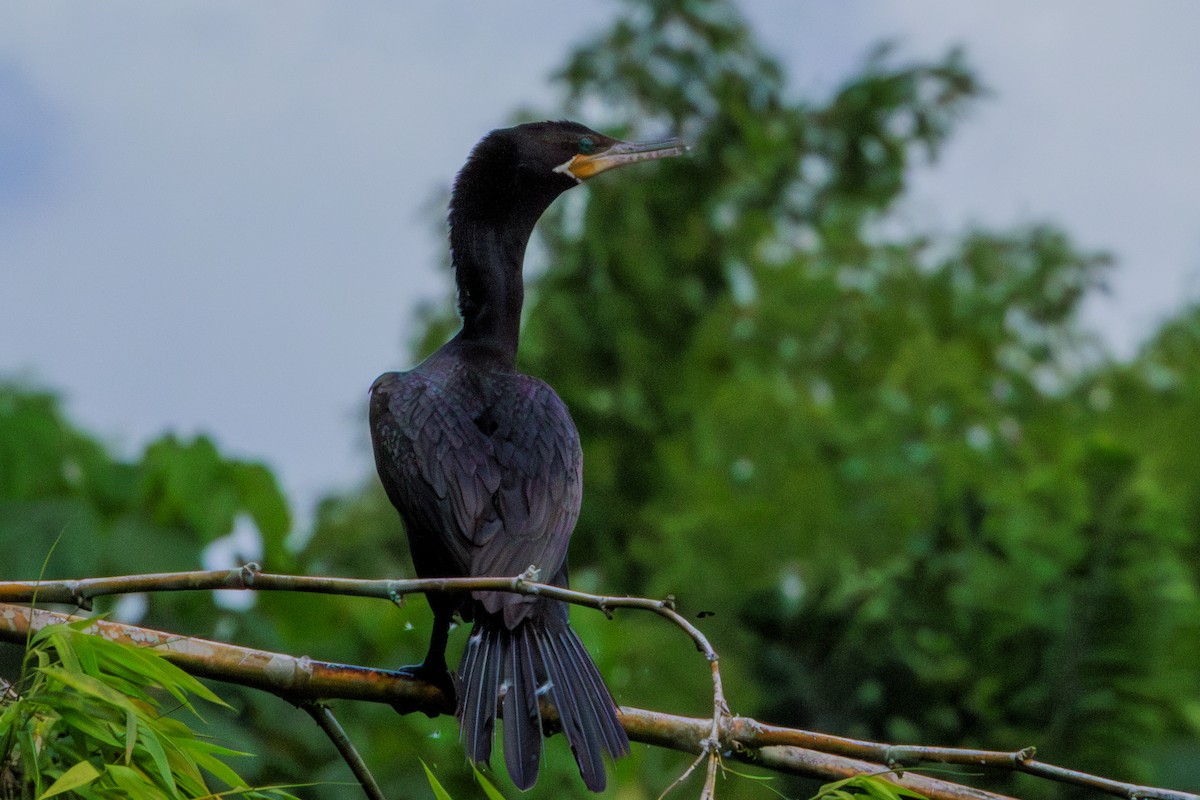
(302, 679)
(297, 679)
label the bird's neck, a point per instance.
(487, 260)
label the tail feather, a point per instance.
(575, 712)
(522, 718)
(615, 742)
(512, 667)
(479, 686)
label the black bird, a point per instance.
(484, 464)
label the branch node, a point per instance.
(741, 749)
(604, 608)
(668, 602)
(78, 598)
(1025, 754)
(898, 757)
(249, 572)
(395, 596)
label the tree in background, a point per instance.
(918, 502)
(881, 458)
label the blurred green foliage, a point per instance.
(919, 501)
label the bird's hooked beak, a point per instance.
(581, 167)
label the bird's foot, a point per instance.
(435, 675)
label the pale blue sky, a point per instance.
(214, 215)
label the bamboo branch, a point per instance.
(297, 679)
(899, 756)
(783, 749)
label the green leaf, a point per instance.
(438, 791)
(89, 725)
(905, 791)
(88, 685)
(131, 734)
(879, 788)
(150, 741)
(488, 787)
(202, 753)
(133, 782)
(79, 775)
(834, 786)
(59, 637)
(85, 646)
(29, 757)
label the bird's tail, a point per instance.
(513, 668)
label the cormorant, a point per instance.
(484, 464)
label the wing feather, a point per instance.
(487, 472)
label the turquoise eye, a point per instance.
(587, 145)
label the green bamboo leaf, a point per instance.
(488, 787)
(131, 734)
(59, 638)
(74, 716)
(90, 686)
(189, 780)
(79, 775)
(149, 740)
(203, 746)
(10, 715)
(276, 792)
(438, 791)
(878, 787)
(178, 682)
(133, 782)
(29, 757)
(213, 765)
(904, 791)
(135, 668)
(830, 788)
(140, 664)
(86, 648)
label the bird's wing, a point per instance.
(489, 490)
(436, 467)
(536, 448)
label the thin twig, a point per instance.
(714, 744)
(323, 716)
(710, 779)
(687, 773)
(250, 577)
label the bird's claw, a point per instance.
(438, 676)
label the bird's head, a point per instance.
(531, 164)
